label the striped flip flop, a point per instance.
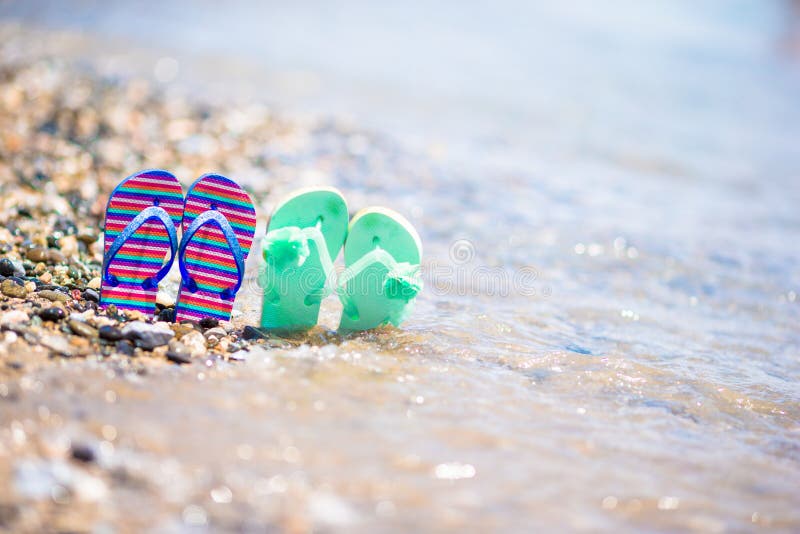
(142, 217)
(219, 221)
(382, 276)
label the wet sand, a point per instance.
(581, 359)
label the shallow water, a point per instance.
(609, 334)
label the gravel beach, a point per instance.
(69, 135)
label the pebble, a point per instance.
(94, 283)
(178, 357)
(53, 314)
(251, 332)
(83, 452)
(57, 343)
(82, 329)
(37, 254)
(13, 317)
(148, 336)
(238, 356)
(209, 322)
(6, 267)
(54, 296)
(91, 295)
(165, 299)
(134, 315)
(55, 256)
(166, 315)
(217, 331)
(10, 288)
(68, 245)
(110, 333)
(46, 277)
(80, 342)
(195, 343)
(125, 347)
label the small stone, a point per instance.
(209, 322)
(79, 342)
(178, 357)
(251, 332)
(188, 323)
(87, 238)
(91, 295)
(39, 269)
(165, 299)
(10, 288)
(13, 317)
(166, 315)
(45, 277)
(110, 333)
(19, 268)
(30, 287)
(68, 245)
(57, 343)
(217, 332)
(53, 314)
(82, 329)
(148, 336)
(6, 267)
(54, 296)
(125, 347)
(37, 254)
(83, 452)
(134, 315)
(55, 256)
(195, 343)
(94, 283)
(238, 356)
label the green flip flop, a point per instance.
(305, 234)
(382, 278)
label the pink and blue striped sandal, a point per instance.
(142, 217)
(219, 221)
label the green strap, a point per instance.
(403, 281)
(288, 247)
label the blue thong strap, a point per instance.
(217, 218)
(147, 214)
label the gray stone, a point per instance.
(216, 331)
(57, 343)
(148, 336)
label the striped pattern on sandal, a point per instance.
(143, 254)
(208, 258)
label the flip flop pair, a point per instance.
(143, 216)
(382, 253)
